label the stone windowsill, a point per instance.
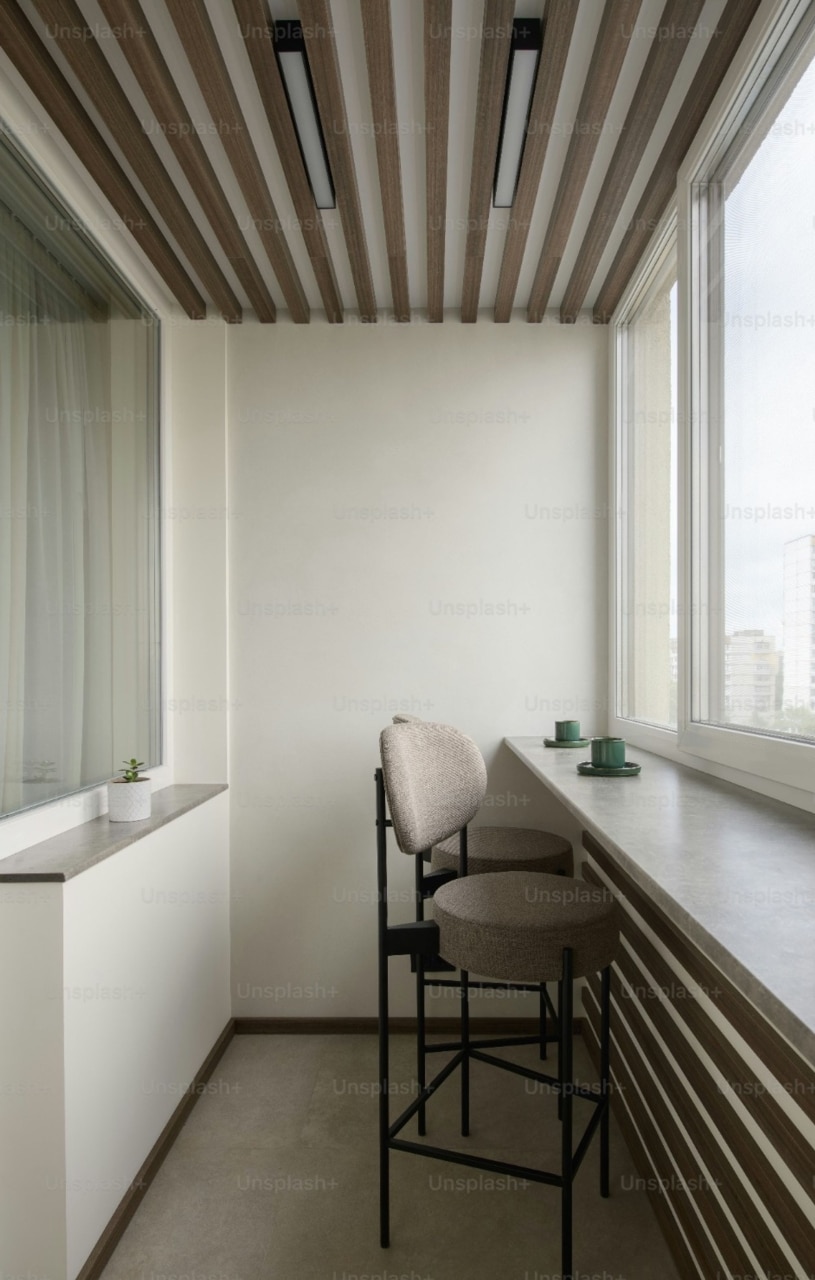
(69, 854)
(733, 870)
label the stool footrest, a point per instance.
(478, 1162)
(417, 938)
(506, 1043)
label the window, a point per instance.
(79, 564)
(753, 663)
(647, 621)
(714, 632)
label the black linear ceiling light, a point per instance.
(524, 55)
(290, 50)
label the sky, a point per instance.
(769, 438)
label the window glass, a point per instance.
(648, 568)
(79, 564)
(762, 571)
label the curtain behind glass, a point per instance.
(55, 571)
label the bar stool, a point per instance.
(489, 849)
(516, 927)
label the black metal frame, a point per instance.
(420, 940)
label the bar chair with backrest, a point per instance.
(515, 927)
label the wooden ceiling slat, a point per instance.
(619, 17)
(724, 42)
(95, 74)
(666, 53)
(130, 26)
(200, 43)
(438, 20)
(376, 25)
(29, 55)
(256, 32)
(318, 29)
(496, 39)
(557, 37)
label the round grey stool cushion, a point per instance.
(506, 849)
(514, 927)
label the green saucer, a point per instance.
(589, 770)
(575, 742)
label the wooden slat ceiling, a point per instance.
(177, 111)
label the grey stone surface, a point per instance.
(734, 870)
(275, 1175)
(72, 852)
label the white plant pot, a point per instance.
(129, 801)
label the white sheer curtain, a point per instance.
(55, 575)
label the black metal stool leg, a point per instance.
(465, 1047)
(560, 1046)
(542, 1020)
(421, 1043)
(384, 1108)
(421, 1037)
(605, 1079)
(384, 1117)
(566, 1077)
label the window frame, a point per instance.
(779, 44)
(28, 129)
(659, 262)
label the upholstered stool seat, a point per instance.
(506, 849)
(515, 926)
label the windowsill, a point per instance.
(69, 854)
(733, 870)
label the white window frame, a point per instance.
(781, 38)
(656, 265)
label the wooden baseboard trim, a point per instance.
(113, 1232)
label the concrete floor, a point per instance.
(275, 1175)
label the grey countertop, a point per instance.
(72, 852)
(733, 870)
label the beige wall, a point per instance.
(417, 521)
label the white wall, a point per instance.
(145, 995)
(417, 521)
(195, 523)
(32, 1106)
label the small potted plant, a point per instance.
(129, 796)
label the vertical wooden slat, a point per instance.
(63, 18)
(667, 50)
(256, 32)
(557, 37)
(376, 25)
(28, 54)
(496, 39)
(318, 29)
(724, 42)
(611, 46)
(207, 61)
(129, 25)
(438, 17)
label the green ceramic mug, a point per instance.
(608, 753)
(567, 730)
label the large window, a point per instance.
(647, 675)
(715, 445)
(755, 661)
(79, 588)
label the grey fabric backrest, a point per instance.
(435, 779)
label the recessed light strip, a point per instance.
(290, 48)
(523, 65)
